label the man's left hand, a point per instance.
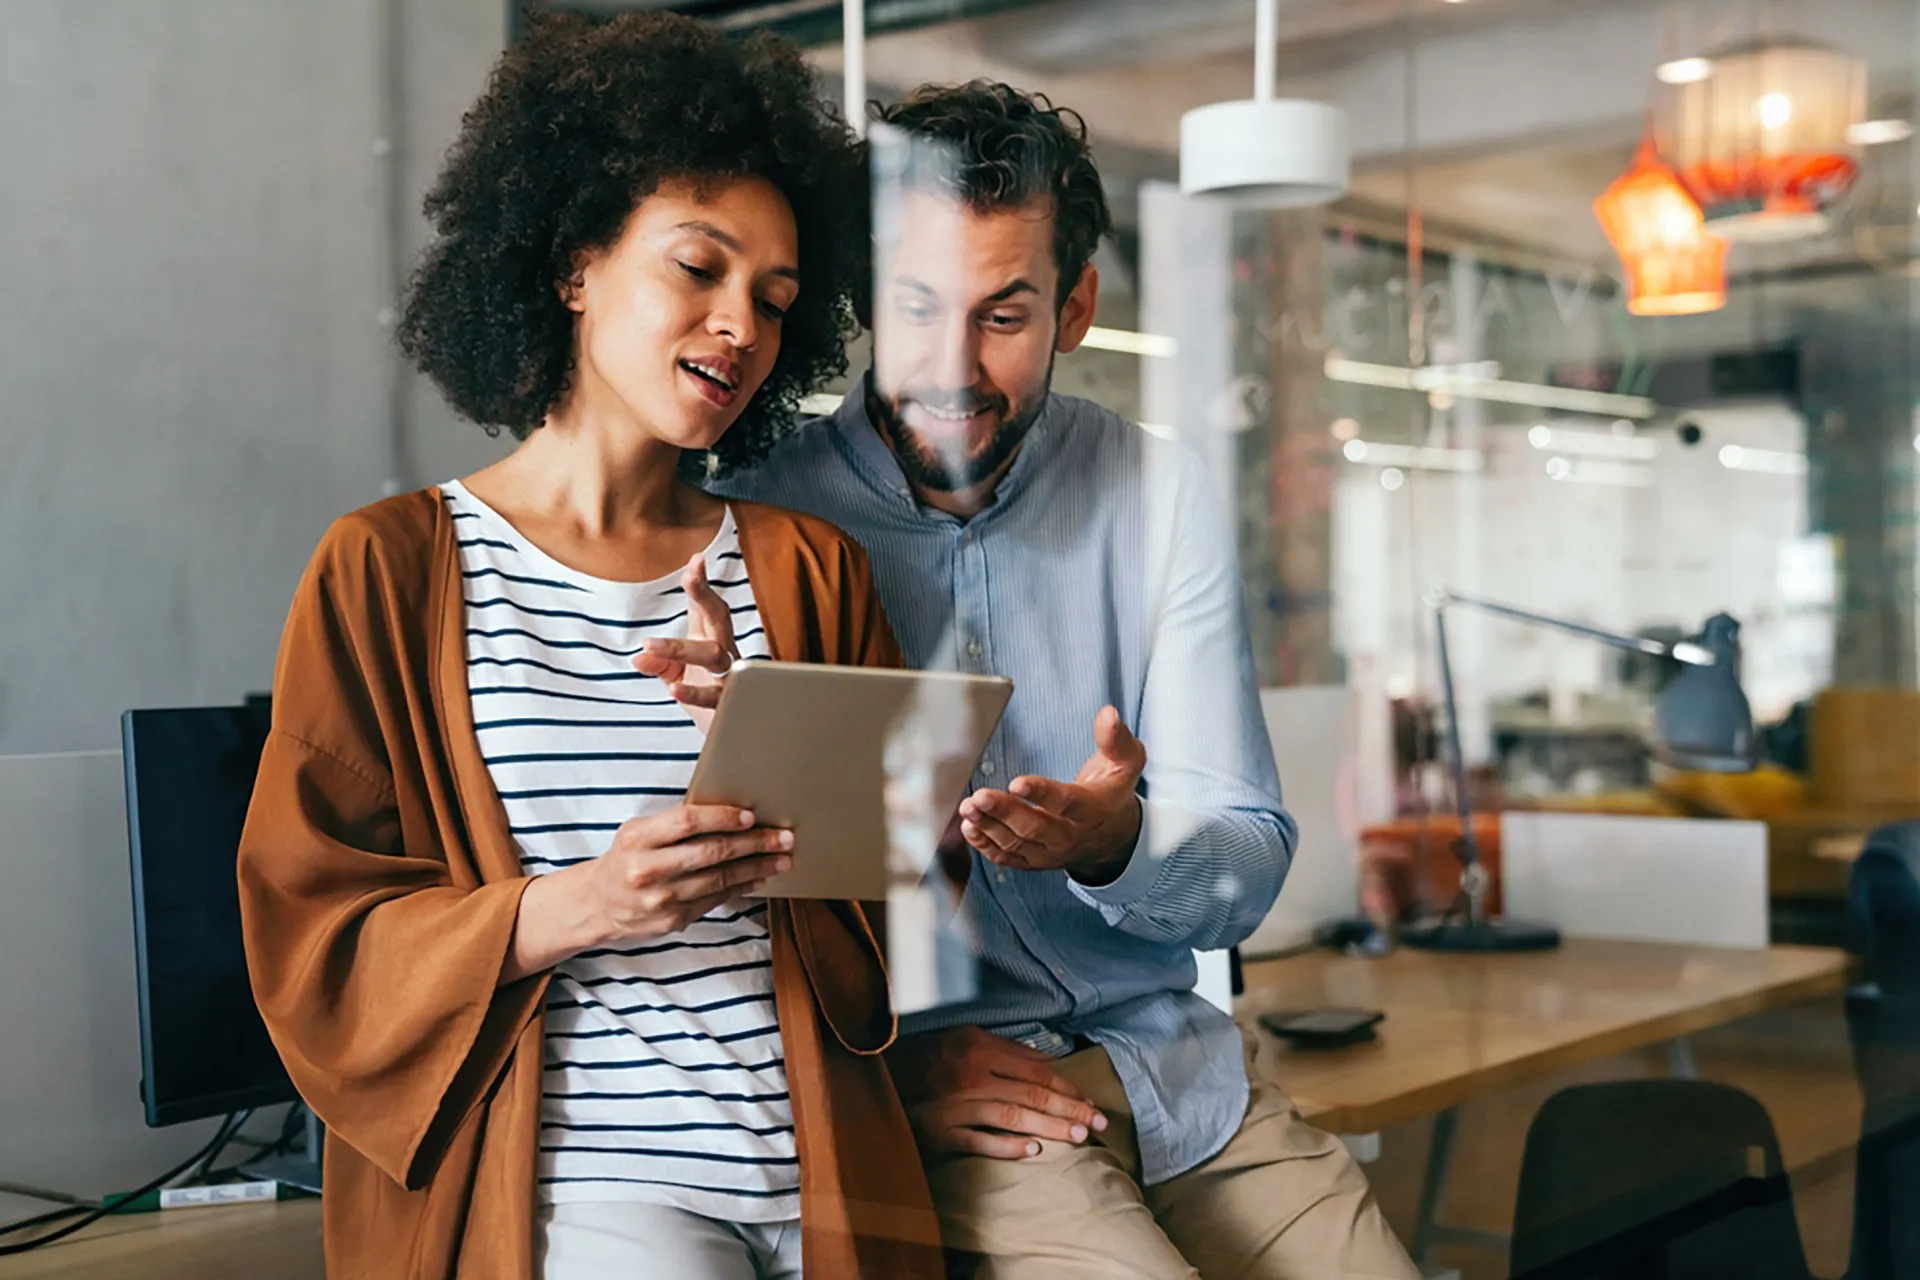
(1086, 827)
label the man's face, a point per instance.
(965, 332)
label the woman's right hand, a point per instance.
(666, 870)
(661, 873)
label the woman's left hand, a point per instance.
(692, 669)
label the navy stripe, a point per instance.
(754, 631)
(463, 515)
(642, 1096)
(488, 542)
(537, 665)
(531, 692)
(500, 633)
(544, 793)
(694, 1068)
(732, 1002)
(730, 555)
(688, 1127)
(718, 584)
(746, 914)
(609, 979)
(629, 624)
(669, 1038)
(685, 1186)
(549, 757)
(538, 723)
(561, 826)
(491, 572)
(662, 948)
(657, 1152)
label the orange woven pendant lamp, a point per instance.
(1674, 265)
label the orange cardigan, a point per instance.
(378, 891)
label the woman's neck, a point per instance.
(599, 477)
(603, 498)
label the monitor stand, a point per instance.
(301, 1170)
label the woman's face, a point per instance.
(679, 319)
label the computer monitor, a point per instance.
(203, 1048)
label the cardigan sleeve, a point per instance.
(376, 967)
(870, 640)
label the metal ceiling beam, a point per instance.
(805, 22)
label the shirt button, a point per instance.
(986, 768)
(1000, 876)
(973, 648)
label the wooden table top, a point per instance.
(1461, 1026)
(231, 1242)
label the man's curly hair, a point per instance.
(580, 122)
(1012, 149)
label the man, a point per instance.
(1085, 1114)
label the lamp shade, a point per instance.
(1674, 265)
(1279, 152)
(1761, 141)
(1703, 720)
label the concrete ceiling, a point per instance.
(1509, 116)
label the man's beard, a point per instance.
(949, 471)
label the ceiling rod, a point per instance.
(854, 71)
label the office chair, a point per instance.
(1654, 1180)
(1883, 1023)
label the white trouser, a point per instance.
(629, 1240)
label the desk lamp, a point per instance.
(1702, 722)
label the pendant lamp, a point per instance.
(1761, 140)
(1674, 265)
(1277, 152)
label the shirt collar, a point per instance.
(862, 439)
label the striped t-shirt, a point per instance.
(665, 1080)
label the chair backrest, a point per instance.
(1883, 1021)
(1883, 908)
(1646, 1179)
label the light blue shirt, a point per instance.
(1102, 573)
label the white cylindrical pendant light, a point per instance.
(1279, 152)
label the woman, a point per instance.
(524, 984)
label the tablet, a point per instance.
(865, 764)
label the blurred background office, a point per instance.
(1614, 320)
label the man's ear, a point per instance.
(1076, 314)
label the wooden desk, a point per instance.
(1457, 1027)
(234, 1242)
(1461, 1026)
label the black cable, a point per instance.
(220, 1137)
(200, 1174)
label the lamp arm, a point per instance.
(1686, 651)
(1468, 849)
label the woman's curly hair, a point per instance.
(582, 121)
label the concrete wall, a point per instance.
(193, 380)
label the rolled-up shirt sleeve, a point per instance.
(1215, 840)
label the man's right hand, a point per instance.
(971, 1093)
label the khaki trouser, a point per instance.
(1281, 1201)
